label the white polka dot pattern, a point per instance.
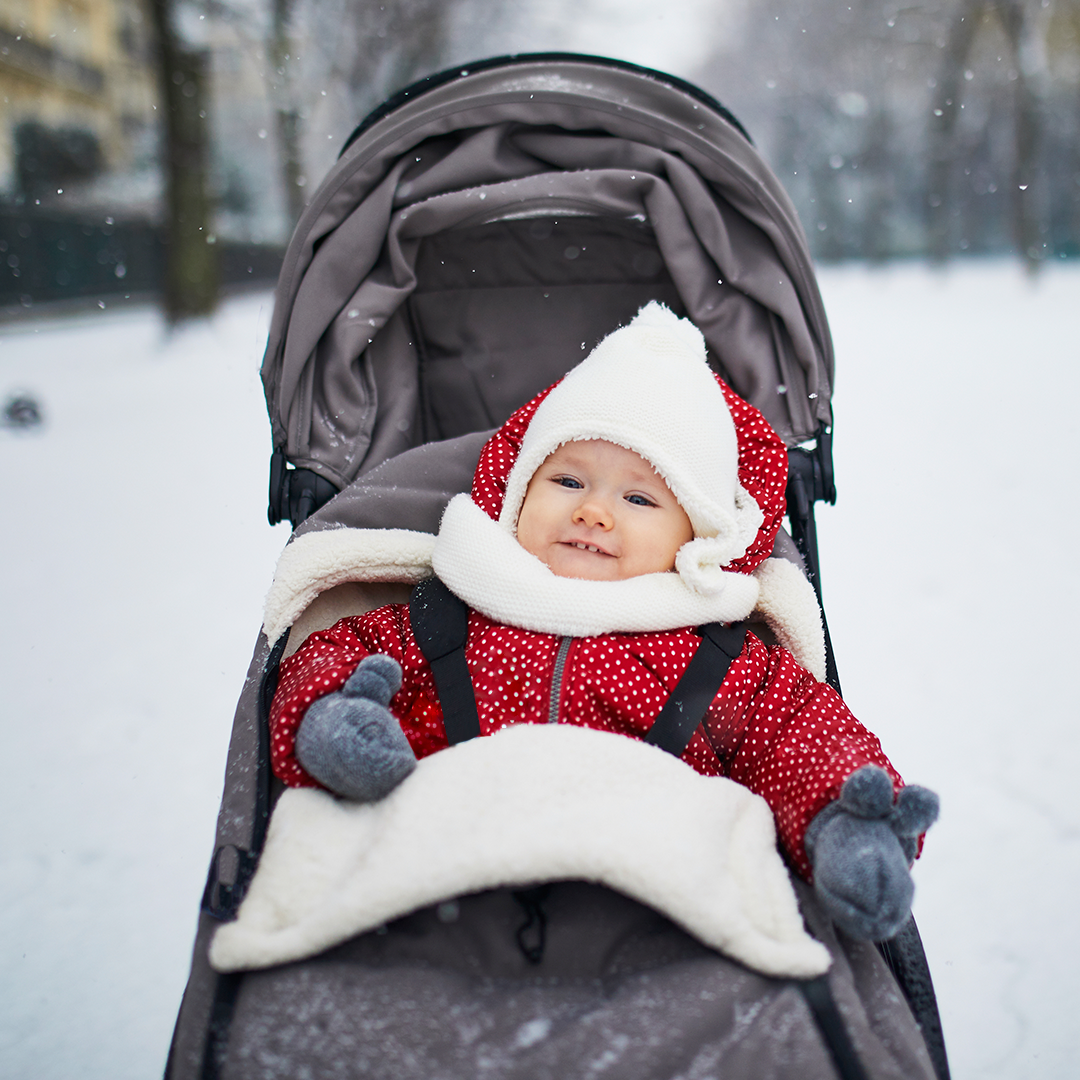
(772, 726)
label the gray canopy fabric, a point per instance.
(473, 244)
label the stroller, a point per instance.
(480, 232)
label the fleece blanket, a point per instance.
(529, 804)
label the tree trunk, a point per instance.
(1024, 213)
(191, 264)
(876, 167)
(946, 110)
(1023, 197)
(286, 114)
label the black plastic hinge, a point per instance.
(810, 473)
(295, 494)
(231, 871)
(810, 480)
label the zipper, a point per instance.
(556, 679)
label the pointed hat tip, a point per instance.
(659, 318)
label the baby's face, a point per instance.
(595, 510)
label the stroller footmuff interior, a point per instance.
(549, 900)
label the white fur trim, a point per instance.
(471, 554)
(531, 803)
(647, 387)
(485, 566)
(318, 561)
(789, 606)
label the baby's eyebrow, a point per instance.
(649, 476)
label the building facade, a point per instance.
(77, 91)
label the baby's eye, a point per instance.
(567, 482)
(639, 500)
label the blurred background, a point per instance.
(154, 155)
(166, 146)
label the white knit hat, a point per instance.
(648, 388)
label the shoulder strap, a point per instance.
(677, 721)
(440, 624)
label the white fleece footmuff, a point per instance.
(530, 804)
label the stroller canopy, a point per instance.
(485, 229)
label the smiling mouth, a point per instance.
(582, 546)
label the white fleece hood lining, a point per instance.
(316, 562)
(648, 388)
(484, 565)
(531, 803)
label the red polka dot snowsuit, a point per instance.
(772, 726)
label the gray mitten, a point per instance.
(861, 847)
(350, 741)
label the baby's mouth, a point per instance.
(581, 545)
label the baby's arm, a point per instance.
(793, 741)
(790, 739)
(323, 680)
(350, 741)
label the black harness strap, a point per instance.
(677, 721)
(906, 959)
(830, 1024)
(440, 624)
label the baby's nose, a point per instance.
(594, 513)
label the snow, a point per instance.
(948, 577)
(137, 555)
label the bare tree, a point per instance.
(834, 90)
(357, 53)
(1014, 20)
(907, 127)
(191, 265)
(331, 61)
(282, 52)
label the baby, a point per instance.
(630, 503)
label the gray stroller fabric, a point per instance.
(616, 990)
(409, 491)
(472, 246)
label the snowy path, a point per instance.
(136, 555)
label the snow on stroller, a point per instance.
(479, 233)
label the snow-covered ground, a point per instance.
(950, 572)
(136, 554)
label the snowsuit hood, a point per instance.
(737, 459)
(647, 387)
